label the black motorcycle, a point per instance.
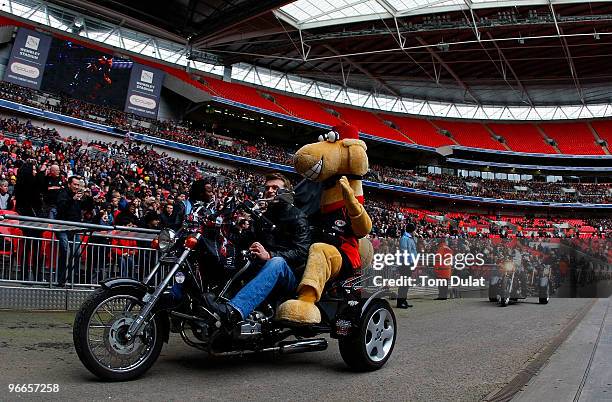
(508, 284)
(120, 329)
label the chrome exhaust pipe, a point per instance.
(301, 346)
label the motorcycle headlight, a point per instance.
(167, 238)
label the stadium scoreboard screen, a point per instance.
(72, 70)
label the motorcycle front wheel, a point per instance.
(99, 335)
(506, 290)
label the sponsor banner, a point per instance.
(28, 57)
(144, 91)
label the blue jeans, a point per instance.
(275, 276)
(66, 257)
(127, 266)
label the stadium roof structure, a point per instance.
(519, 60)
(307, 14)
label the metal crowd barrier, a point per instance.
(29, 251)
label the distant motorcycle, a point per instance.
(508, 284)
(120, 329)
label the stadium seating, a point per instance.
(243, 94)
(368, 123)
(573, 138)
(420, 131)
(522, 137)
(305, 109)
(473, 135)
(604, 130)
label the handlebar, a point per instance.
(246, 205)
(253, 208)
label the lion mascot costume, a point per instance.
(338, 162)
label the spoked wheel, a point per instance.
(370, 347)
(544, 300)
(99, 336)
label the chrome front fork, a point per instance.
(139, 322)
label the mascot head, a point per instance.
(339, 152)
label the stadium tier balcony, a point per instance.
(420, 131)
(522, 137)
(473, 135)
(573, 138)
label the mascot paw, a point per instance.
(347, 192)
(299, 311)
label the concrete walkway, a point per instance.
(581, 368)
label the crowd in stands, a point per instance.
(129, 184)
(494, 188)
(183, 132)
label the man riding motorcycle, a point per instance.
(281, 253)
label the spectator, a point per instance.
(407, 244)
(68, 209)
(28, 191)
(6, 199)
(168, 217)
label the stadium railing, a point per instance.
(29, 251)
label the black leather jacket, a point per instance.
(291, 238)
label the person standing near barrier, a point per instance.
(28, 192)
(53, 184)
(408, 244)
(68, 209)
(443, 268)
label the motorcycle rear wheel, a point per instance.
(372, 344)
(104, 357)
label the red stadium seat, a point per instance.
(369, 123)
(421, 131)
(305, 109)
(522, 137)
(243, 94)
(467, 134)
(573, 138)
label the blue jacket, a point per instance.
(407, 243)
